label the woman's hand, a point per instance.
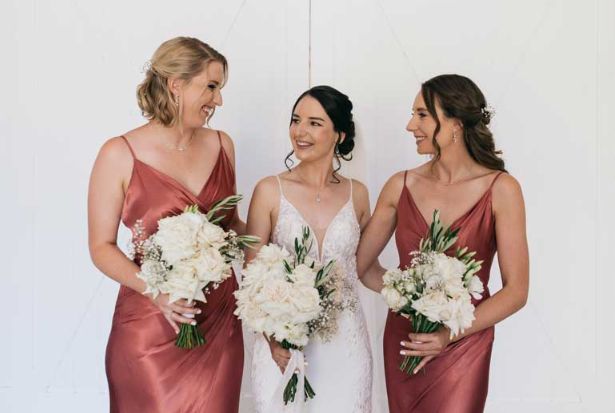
(280, 355)
(177, 312)
(427, 346)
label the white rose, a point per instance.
(211, 266)
(461, 315)
(433, 305)
(274, 299)
(176, 236)
(393, 298)
(476, 287)
(296, 334)
(211, 235)
(182, 283)
(302, 274)
(306, 301)
(392, 276)
(272, 254)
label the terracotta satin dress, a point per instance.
(457, 380)
(147, 373)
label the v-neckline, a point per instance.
(457, 221)
(175, 181)
(319, 246)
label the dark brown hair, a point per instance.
(339, 109)
(461, 99)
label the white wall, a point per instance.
(70, 70)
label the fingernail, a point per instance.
(403, 343)
(193, 323)
(402, 352)
(198, 311)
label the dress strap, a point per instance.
(495, 179)
(280, 185)
(350, 190)
(405, 175)
(129, 147)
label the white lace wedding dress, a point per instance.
(340, 370)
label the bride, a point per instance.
(335, 209)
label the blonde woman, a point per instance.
(148, 173)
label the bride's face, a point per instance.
(423, 126)
(312, 133)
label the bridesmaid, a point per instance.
(467, 182)
(148, 173)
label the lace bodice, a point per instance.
(341, 237)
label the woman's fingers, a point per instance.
(184, 309)
(418, 346)
(422, 364)
(172, 323)
(183, 320)
(422, 338)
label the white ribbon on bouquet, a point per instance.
(296, 364)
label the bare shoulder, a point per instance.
(267, 189)
(115, 151)
(359, 190)
(506, 192)
(227, 142)
(394, 185)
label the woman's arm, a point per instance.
(378, 232)
(105, 200)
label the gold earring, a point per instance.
(454, 137)
(176, 100)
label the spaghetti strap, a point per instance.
(350, 190)
(129, 147)
(495, 179)
(280, 185)
(405, 175)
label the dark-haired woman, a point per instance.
(335, 208)
(466, 181)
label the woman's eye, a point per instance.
(315, 124)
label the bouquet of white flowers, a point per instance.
(189, 254)
(436, 289)
(290, 299)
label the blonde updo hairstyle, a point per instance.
(183, 58)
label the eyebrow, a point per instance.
(421, 108)
(311, 117)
